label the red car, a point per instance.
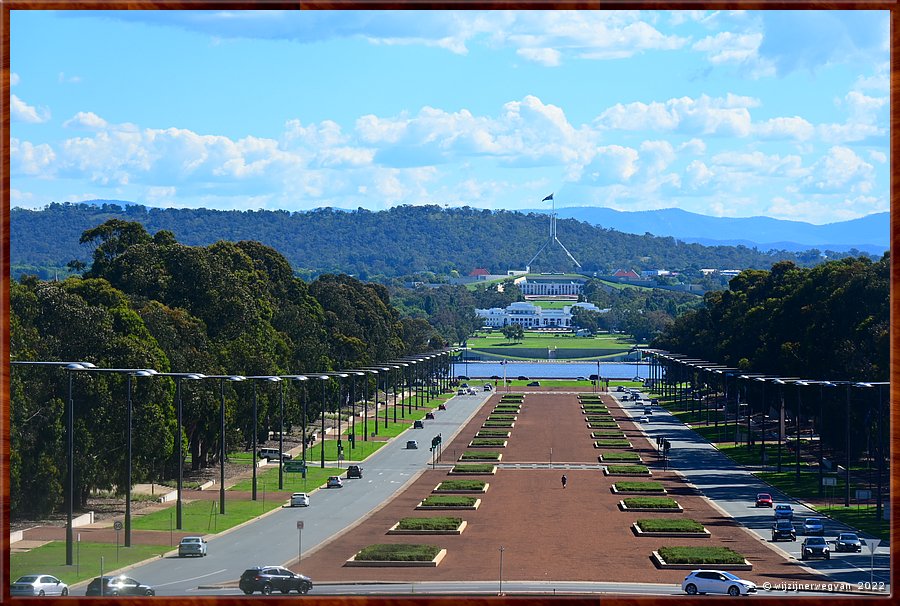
(763, 499)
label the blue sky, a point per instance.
(780, 114)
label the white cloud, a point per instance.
(85, 120)
(819, 209)
(64, 79)
(13, 78)
(761, 164)
(611, 164)
(864, 109)
(545, 56)
(878, 156)
(26, 158)
(698, 174)
(656, 156)
(840, 170)
(19, 111)
(728, 47)
(794, 127)
(704, 115)
(693, 146)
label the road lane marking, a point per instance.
(192, 578)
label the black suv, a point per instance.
(354, 471)
(784, 529)
(114, 586)
(267, 579)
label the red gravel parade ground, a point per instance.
(548, 533)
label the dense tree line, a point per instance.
(376, 246)
(152, 302)
(828, 322)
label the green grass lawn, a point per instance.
(628, 469)
(51, 558)
(650, 503)
(461, 485)
(620, 456)
(639, 486)
(473, 468)
(612, 443)
(862, 518)
(200, 516)
(533, 340)
(448, 501)
(438, 523)
(268, 480)
(398, 553)
(474, 455)
(670, 525)
(700, 555)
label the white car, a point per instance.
(193, 546)
(38, 584)
(334, 482)
(643, 420)
(716, 581)
(472, 391)
(299, 499)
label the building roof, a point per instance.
(479, 271)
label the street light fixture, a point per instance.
(129, 373)
(70, 446)
(178, 438)
(270, 379)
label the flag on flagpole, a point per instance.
(550, 197)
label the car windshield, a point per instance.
(190, 540)
(730, 576)
(784, 524)
(816, 541)
(848, 537)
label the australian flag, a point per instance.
(550, 197)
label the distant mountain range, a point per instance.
(870, 234)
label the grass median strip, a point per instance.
(50, 558)
(200, 516)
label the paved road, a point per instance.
(734, 490)
(274, 539)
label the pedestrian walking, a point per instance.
(564, 481)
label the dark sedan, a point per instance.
(267, 579)
(116, 586)
(784, 529)
(814, 547)
(847, 541)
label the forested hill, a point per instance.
(395, 242)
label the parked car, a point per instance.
(534, 384)
(418, 424)
(299, 499)
(411, 445)
(814, 547)
(783, 530)
(847, 541)
(115, 586)
(784, 512)
(764, 499)
(272, 453)
(334, 482)
(266, 579)
(814, 526)
(38, 584)
(716, 581)
(192, 546)
(354, 471)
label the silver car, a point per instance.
(299, 499)
(38, 584)
(192, 546)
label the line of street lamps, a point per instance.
(131, 373)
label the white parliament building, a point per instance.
(529, 315)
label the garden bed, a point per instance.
(498, 425)
(461, 486)
(487, 455)
(492, 433)
(437, 526)
(612, 444)
(627, 470)
(625, 457)
(603, 425)
(472, 470)
(689, 558)
(650, 505)
(677, 528)
(441, 502)
(645, 488)
(487, 443)
(607, 434)
(400, 555)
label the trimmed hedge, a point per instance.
(700, 555)
(640, 486)
(607, 433)
(472, 468)
(492, 433)
(670, 525)
(612, 443)
(448, 501)
(627, 468)
(474, 455)
(650, 503)
(398, 552)
(603, 425)
(439, 523)
(487, 442)
(621, 456)
(461, 485)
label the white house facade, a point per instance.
(528, 315)
(552, 285)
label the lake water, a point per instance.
(552, 370)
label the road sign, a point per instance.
(863, 495)
(294, 466)
(117, 525)
(299, 524)
(872, 544)
(829, 481)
